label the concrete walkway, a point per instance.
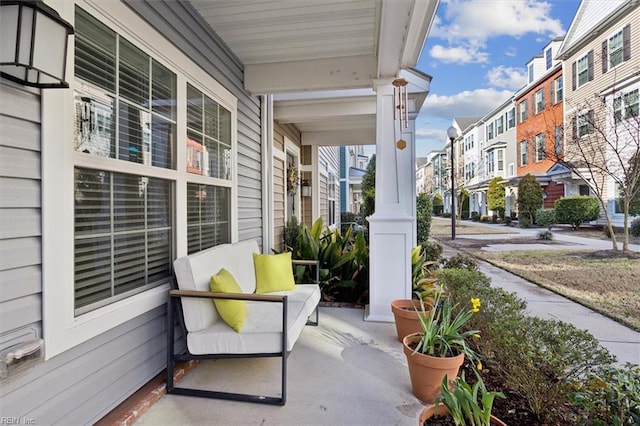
(620, 340)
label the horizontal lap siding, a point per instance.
(84, 383)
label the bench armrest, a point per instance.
(233, 296)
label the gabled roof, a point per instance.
(590, 19)
(421, 161)
(466, 122)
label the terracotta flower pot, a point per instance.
(427, 372)
(406, 317)
(431, 411)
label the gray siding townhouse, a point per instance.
(170, 140)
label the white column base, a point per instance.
(390, 240)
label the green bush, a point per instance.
(291, 232)
(611, 398)
(344, 262)
(546, 217)
(538, 359)
(634, 229)
(347, 217)
(484, 218)
(432, 251)
(423, 217)
(545, 235)
(460, 261)
(576, 210)
(438, 204)
(529, 198)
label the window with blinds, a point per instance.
(208, 136)
(208, 216)
(123, 236)
(125, 109)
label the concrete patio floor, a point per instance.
(344, 372)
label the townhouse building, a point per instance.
(600, 60)
(540, 126)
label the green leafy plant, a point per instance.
(546, 217)
(422, 279)
(545, 235)
(460, 261)
(634, 229)
(423, 217)
(344, 262)
(432, 251)
(576, 210)
(496, 200)
(467, 404)
(610, 398)
(443, 328)
(291, 232)
(529, 199)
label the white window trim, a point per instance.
(291, 147)
(610, 66)
(586, 58)
(62, 330)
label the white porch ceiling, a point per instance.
(315, 46)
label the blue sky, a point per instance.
(476, 52)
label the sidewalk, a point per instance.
(620, 340)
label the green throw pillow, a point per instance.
(233, 312)
(273, 272)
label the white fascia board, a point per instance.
(394, 23)
(315, 74)
(422, 16)
(340, 137)
(295, 111)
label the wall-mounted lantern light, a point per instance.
(33, 44)
(306, 188)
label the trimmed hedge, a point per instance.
(576, 210)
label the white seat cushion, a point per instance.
(262, 331)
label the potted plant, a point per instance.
(439, 349)
(424, 286)
(460, 404)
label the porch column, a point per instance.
(392, 227)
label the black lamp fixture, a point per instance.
(33, 44)
(452, 133)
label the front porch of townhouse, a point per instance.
(345, 371)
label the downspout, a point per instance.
(267, 172)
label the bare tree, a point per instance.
(602, 145)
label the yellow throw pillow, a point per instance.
(233, 312)
(273, 272)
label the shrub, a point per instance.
(423, 217)
(494, 218)
(634, 229)
(438, 204)
(447, 215)
(484, 218)
(432, 251)
(611, 398)
(529, 197)
(460, 261)
(291, 232)
(475, 217)
(546, 217)
(348, 217)
(507, 220)
(545, 235)
(576, 210)
(524, 221)
(538, 359)
(496, 196)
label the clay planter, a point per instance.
(406, 317)
(430, 411)
(427, 372)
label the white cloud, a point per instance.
(511, 52)
(460, 55)
(470, 103)
(507, 77)
(470, 23)
(476, 21)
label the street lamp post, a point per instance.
(452, 132)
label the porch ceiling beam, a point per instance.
(340, 137)
(296, 111)
(314, 74)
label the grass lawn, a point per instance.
(606, 281)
